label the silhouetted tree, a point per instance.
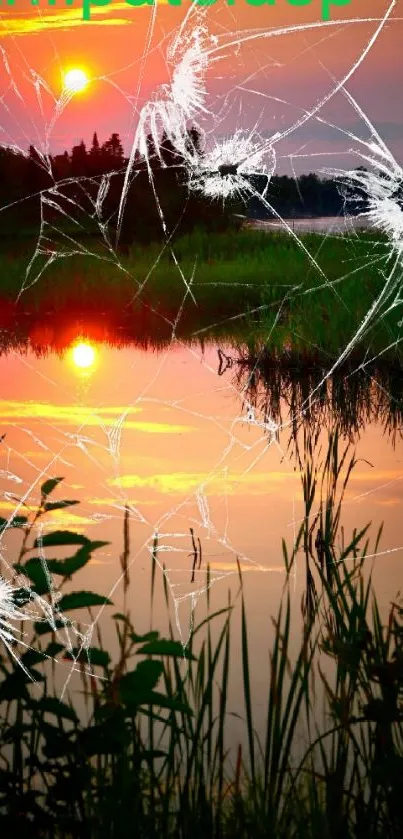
(95, 156)
(61, 166)
(13, 174)
(112, 154)
(311, 193)
(194, 141)
(27, 176)
(307, 195)
(38, 168)
(94, 150)
(79, 160)
(169, 154)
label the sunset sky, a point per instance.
(263, 83)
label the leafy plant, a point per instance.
(148, 757)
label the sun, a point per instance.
(75, 80)
(83, 355)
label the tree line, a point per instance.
(23, 177)
(77, 176)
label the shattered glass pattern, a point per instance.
(225, 167)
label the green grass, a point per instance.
(149, 756)
(254, 285)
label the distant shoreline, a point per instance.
(320, 224)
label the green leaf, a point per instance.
(18, 521)
(58, 743)
(53, 649)
(53, 705)
(164, 646)
(21, 596)
(61, 537)
(110, 713)
(149, 636)
(93, 656)
(136, 687)
(34, 570)
(49, 486)
(15, 733)
(119, 616)
(58, 505)
(42, 627)
(34, 676)
(14, 686)
(81, 600)
(67, 567)
(163, 701)
(31, 657)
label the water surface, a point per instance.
(323, 224)
(200, 445)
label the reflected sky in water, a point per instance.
(185, 447)
(184, 437)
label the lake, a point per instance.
(200, 445)
(323, 224)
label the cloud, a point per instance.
(389, 502)
(67, 19)
(64, 519)
(77, 415)
(50, 20)
(252, 483)
(184, 482)
(117, 503)
(44, 409)
(7, 505)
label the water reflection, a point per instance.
(83, 356)
(281, 387)
(140, 326)
(299, 396)
(160, 446)
(169, 436)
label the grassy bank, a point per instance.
(150, 758)
(262, 286)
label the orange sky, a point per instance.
(297, 68)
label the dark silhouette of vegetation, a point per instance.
(72, 182)
(306, 196)
(147, 755)
(74, 179)
(252, 285)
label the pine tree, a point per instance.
(112, 153)
(95, 156)
(94, 150)
(79, 160)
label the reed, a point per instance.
(151, 757)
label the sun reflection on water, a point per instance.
(83, 356)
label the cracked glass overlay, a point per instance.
(225, 168)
